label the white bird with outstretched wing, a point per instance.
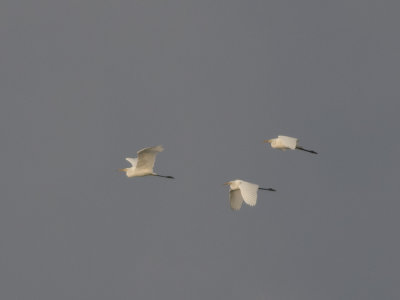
(143, 165)
(242, 191)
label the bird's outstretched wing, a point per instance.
(147, 157)
(236, 199)
(288, 141)
(133, 161)
(249, 192)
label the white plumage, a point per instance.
(235, 199)
(241, 190)
(143, 165)
(286, 142)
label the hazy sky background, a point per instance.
(85, 84)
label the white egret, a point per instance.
(240, 190)
(143, 165)
(286, 142)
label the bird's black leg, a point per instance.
(165, 176)
(302, 149)
(269, 189)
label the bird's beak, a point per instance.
(267, 141)
(227, 183)
(122, 170)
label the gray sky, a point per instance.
(86, 83)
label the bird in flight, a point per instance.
(240, 190)
(286, 142)
(143, 165)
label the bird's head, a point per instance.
(233, 184)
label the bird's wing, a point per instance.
(288, 141)
(236, 199)
(147, 157)
(249, 192)
(133, 161)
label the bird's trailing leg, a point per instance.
(164, 176)
(302, 149)
(269, 189)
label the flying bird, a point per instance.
(240, 190)
(286, 142)
(143, 165)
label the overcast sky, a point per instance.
(85, 84)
